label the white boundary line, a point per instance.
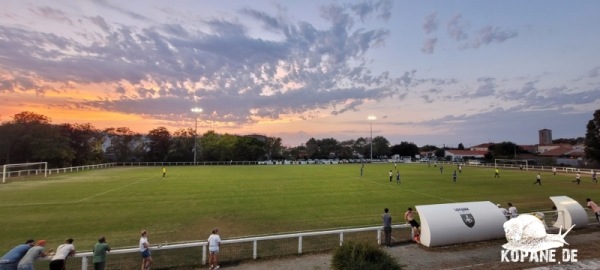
(111, 190)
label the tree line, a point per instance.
(31, 137)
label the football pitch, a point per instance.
(250, 200)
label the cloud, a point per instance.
(456, 28)
(431, 23)
(52, 14)
(364, 9)
(595, 72)
(429, 46)
(161, 70)
(490, 34)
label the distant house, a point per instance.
(481, 147)
(465, 154)
(543, 148)
(563, 150)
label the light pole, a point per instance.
(196, 111)
(371, 118)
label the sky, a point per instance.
(431, 72)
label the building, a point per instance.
(545, 136)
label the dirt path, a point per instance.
(484, 255)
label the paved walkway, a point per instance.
(486, 255)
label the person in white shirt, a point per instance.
(145, 250)
(59, 261)
(214, 242)
(592, 205)
(512, 211)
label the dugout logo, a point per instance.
(466, 216)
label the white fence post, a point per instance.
(300, 244)
(203, 255)
(84, 263)
(254, 250)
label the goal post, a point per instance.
(512, 162)
(21, 169)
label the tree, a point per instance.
(182, 146)
(505, 150)
(592, 138)
(461, 146)
(125, 145)
(405, 149)
(381, 146)
(30, 137)
(86, 142)
(158, 145)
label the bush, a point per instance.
(362, 256)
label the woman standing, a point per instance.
(214, 242)
(145, 250)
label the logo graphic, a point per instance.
(527, 233)
(466, 216)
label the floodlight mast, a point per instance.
(196, 111)
(371, 118)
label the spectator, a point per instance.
(214, 243)
(387, 227)
(59, 261)
(100, 250)
(409, 217)
(592, 205)
(11, 259)
(32, 254)
(145, 250)
(512, 211)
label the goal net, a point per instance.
(23, 170)
(512, 163)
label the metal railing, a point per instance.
(335, 237)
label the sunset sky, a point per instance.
(431, 72)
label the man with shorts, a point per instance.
(577, 178)
(409, 217)
(538, 180)
(497, 173)
(391, 175)
(214, 242)
(594, 179)
(145, 250)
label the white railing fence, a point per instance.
(192, 255)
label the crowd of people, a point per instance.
(23, 256)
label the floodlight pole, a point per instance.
(196, 111)
(371, 119)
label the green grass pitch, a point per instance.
(249, 200)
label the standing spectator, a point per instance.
(11, 259)
(59, 261)
(164, 171)
(577, 178)
(390, 174)
(100, 250)
(592, 205)
(409, 217)
(441, 169)
(512, 211)
(538, 180)
(32, 254)
(460, 168)
(504, 211)
(145, 250)
(362, 167)
(553, 170)
(397, 177)
(454, 177)
(214, 242)
(387, 227)
(497, 173)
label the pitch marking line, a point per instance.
(111, 190)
